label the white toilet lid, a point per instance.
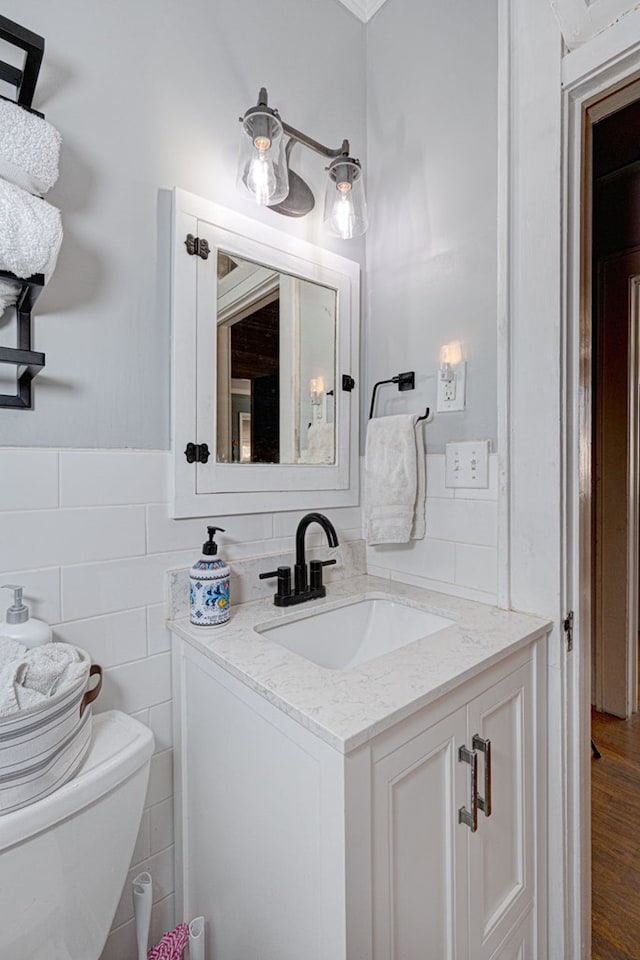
(120, 745)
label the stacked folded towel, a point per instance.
(30, 232)
(29, 678)
(30, 228)
(29, 149)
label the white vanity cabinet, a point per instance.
(292, 847)
(441, 889)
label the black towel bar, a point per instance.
(405, 381)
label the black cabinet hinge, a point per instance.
(197, 453)
(567, 626)
(196, 246)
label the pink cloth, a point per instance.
(172, 944)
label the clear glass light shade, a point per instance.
(345, 205)
(262, 165)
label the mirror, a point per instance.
(276, 357)
(265, 332)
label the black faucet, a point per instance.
(306, 587)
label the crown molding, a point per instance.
(363, 9)
(582, 20)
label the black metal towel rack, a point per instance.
(29, 362)
(405, 381)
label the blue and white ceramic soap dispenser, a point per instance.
(210, 589)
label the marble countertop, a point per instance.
(348, 707)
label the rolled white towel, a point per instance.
(13, 695)
(52, 667)
(38, 673)
(30, 232)
(10, 650)
(29, 149)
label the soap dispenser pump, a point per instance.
(19, 626)
(210, 586)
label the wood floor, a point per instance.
(615, 803)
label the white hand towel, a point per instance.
(30, 232)
(394, 477)
(29, 149)
(419, 527)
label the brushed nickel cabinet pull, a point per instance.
(470, 817)
(484, 746)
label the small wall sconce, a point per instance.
(451, 378)
(318, 394)
(316, 390)
(265, 174)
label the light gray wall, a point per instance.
(146, 95)
(432, 184)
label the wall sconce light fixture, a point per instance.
(265, 174)
(316, 390)
(451, 378)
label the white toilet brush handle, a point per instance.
(196, 939)
(142, 900)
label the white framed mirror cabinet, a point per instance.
(265, 346)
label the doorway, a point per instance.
(615, 264)
(614, 239)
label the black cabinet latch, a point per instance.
(197, 453)
(197, 246)
(348, 383)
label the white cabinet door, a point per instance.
(442, 891)
(419, 866)
(519, 945)
(501, 851)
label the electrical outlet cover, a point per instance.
(451, 396)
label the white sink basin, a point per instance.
(360, 630)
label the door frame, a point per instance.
(591, 76)
(540, 514)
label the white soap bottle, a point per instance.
(18, 625)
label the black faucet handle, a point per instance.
(315, 569)
(284, 580)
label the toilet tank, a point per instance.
(64, 859)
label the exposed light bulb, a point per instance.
(451, 353)
(316, 389)
(261, 179)
(343, 216)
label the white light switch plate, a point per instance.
(467, 464)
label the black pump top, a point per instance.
(210, 548)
